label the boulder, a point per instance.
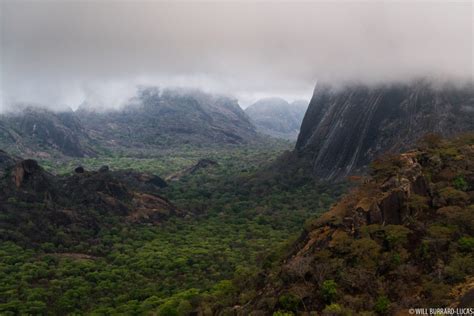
(24, 170)
(104, 169)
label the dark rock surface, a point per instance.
(79, 204)
(79, 169)
(346, 128)
(201, 164)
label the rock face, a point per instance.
(80, 204)
(157, 118)
(278, 118)
(33, 131)
(201, 164)
(346, 128)
(388, 245)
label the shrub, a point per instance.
(431, 140)
(289, 302)
(382, 305)
(453, 196)
(184, 308)
(396, 235)
(460, 183)
(386, 166)
(329, 290)
(460, 267)
(418, 203)
(466, 243)
(282, 313)
(168, 309)
(336, 310)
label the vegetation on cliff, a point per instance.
(403, 238)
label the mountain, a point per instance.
(276, 117)
(158, 119)
(37, 206)
(403, 238)
(37, 132)
(152, 119)
(347, 127)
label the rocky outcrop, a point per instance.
(24, 170)
(201, 164)
(276, 117)
(387, 245)
(345, 128)
(78, 204)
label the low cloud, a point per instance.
(62, 53)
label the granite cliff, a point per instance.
(346, 127)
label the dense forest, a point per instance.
(239, 220)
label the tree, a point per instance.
(329, 291)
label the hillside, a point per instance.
(161, 119)
(37, 206)
(38, 132)
(276, 117)
(345, 128)
(152, 120)
(404, 238)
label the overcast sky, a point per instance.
(64, 52)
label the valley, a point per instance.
(236, 158)
(121, 213)
(234, 226)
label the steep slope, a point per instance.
(346, 128)
(171, 117)
(36, 206)
(278, 118)
(37, 132)
(404, 238)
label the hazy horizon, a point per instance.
(62, 54)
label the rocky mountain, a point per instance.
(278, 118)
(36, 206)
(403, 238)
(37, 132)
(171, 117)
(347, 127)
(153, 119)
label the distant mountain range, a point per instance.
(153, 119)
(171, 117)
(277, 117)
(346, 128)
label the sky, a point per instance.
(63, 53)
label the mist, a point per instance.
(64, 53)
